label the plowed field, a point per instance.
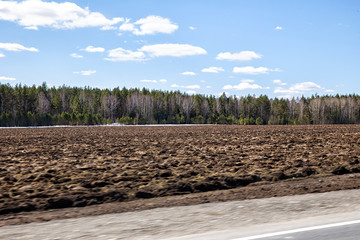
(49, 168)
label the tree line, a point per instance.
(41, 105)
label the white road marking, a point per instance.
(298, 230)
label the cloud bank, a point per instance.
(188, 73)
(301, 88)
(151, 51)
(153, 81)
(93, 49)
(149, 26)
(240, 56)
(33, 14)
(15, 47)
(243, 85)
(173, 50)
(213, 70)
(7, 78)
(75, 55)
(86, 72)
(120, 54)
(254, 71)
(185, 86)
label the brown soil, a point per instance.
(97, 170)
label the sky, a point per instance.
(240, 47)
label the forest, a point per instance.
(43, 106)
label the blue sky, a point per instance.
(277, 48)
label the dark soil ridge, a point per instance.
(314, 184)
(210, 183)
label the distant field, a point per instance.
(47, 168)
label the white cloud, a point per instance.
(106, 28)
(2, 55)
(173, 50)
(208, 87)
(153, 81)
(250, 70)
(93, 49)
(305, 86)
(7, 78)
(157, 50)
(127, 26)
(329, 90)
(190, 92)
(247, 81)
(278, 28)
(33, 14)
(187, 86)
(240, 56)
(148, 81)
(16, 47)
(32, 28)
(188, 73)
(149, 25)
(86, 73)
(242, 86)
(301, 88)
(192, 28)
(120, 54)
(286, 91)
(254, 71)
(213, 70)
(279, 82)
(75, 55)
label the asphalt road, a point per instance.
(339, 231)
(309, 229)
(238, 220)
(348, 232)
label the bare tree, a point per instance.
(315, 105)
(187, 105)
(64, 100)
(43, 103)
(110, 104)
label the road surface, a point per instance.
(346, 231)
(265, 219)
(349, 230)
